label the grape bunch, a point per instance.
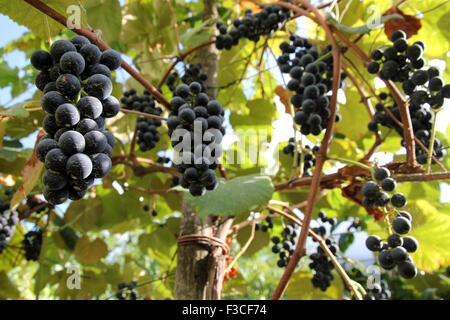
(252, 26)
(285, 246)
(309, 160)
(148, 135)
(192, 73)
(373, 195)
(196, 131)
(8, 222)
(421, 119)
(75, 78)
(266, 226)
(32, 244)
(378, 291)
(127, 291)
(321, 263)
(394, 252)
(311, 78)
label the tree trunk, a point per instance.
(200, 267)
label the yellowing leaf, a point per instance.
(90, 252)
(301, 288)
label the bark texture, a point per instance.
(200, 268)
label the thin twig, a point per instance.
(321, 155)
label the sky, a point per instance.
(282, 127)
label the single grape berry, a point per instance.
(111, 58)
(386, 260)
(382, 173)
(99, 86)
(72, 62)
(399, 254)
(79, 166)
(388, 184)
(405, 214)
(370, 190)
(407, 270)
(394, 240)
(399, 200)
(373, 67)
(401, 225)
(410, 244)
(44, 147)
(71, 142)
(373, 243)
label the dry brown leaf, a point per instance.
(281, 92)
(30, 174)
(410, 24)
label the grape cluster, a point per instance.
(32, 244)
(8, 222)
(393, 252)
(404, 63)
(421, 119)
(252, 26)
(266, 226)
(378, 291)
(285, 246)
(75, 78)
(321, 263)
(127, 291)
(309, 160)
(192, 73)
(196, 131)
(311, 78)
(148, 135)
(373, 195)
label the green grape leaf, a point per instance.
(106, 16)
(7, 289)
(247, 193)
(301, 288)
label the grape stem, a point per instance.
(431, 146)
(356, 163)
(347, 280)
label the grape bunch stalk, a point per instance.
(393, 252)
(311, 79)
(148, 135)
(75, 79)
(196, 131)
